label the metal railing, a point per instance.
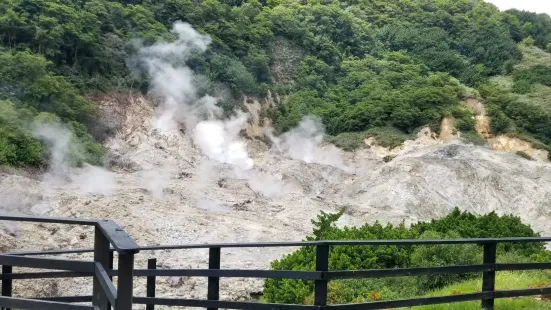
(106, 296)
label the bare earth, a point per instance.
(165, 192)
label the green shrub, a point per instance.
(472, 137)
(536, 74)
(464, 118)
(388, 158)
(388, 136)
(524, 155)
(490, 225)
(499, 122)
(348, 141)
(522, 87)
(365, 290)
(456, 224)
(17, 145)
(434, 255)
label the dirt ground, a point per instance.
(162, 190)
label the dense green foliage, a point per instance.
(53, 51)
(30, 88)
(359, 65)
(511, 115)
(456, 225)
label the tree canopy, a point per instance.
(359, 65)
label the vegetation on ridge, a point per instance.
(397, 64)
(456, 225)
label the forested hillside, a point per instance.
(359, 65)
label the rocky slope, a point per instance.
(163, 190)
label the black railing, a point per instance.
(106, 296)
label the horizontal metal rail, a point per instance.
(297, 244)
(216, 304)
(359, 306)
(288, 274)
(51, 252)
(441, 299)
(400, 272)
(45, 275)
(392, 242)
(25, 303)
(51, 220)
(67, 299)
(47, 263)
(228, 273)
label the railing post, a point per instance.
(7, 284)
(322, 264)
(125, 280)
(489, 277)
(101, 255)
(111, 258)
(214, 282)
(151, 265)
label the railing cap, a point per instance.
(121, 241)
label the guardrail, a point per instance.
(106, 296)
(104, 293)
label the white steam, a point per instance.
(171, 79)
(60, 143)
(268, 185)
(218, 138)
(64, 149)
(174, 83)
(305, 143)
(156, 181)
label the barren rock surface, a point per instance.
(166, 192)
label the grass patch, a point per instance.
(385, 136)
(539, 95)
(537, 144)
(348, 141)
(524, 155)
(472, 137)
(388, 136)
(506, 280)
(504, 81)
(388, 158)
(533, 56)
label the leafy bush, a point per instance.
(17, 145)
(464, 118)
(472, 137)
(365, 290)
(388, 136)
(388, 158)
(434, 255)
(536, 74)
(490, 225)
(524, 155)
(456, 224)
(522, 87)
(31, 89)
(348, 141)
(233, 73)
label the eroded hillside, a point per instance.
(165, 191)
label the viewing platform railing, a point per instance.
(110, 238)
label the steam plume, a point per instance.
(174, 83)
(64, 151)
(305, 143)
